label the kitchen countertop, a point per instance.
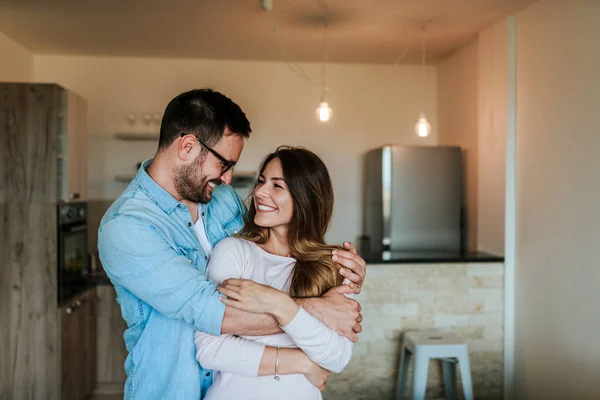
(415, 257)
(98, 275)
(431, 257)
(99, 278)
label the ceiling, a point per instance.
(369, 31)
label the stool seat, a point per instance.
(425, 345)
(426, 338)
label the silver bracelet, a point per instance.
(277, 365)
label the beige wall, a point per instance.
(16, 62)
(558, 193)
(373, 105)
(458, 119)
(491, 145)
(472, 114)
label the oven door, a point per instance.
(73, 261)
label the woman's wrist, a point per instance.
(286, 310)
(304, 363)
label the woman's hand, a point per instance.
(317, 376)
(253, 297)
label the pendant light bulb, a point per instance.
(423, 128)
(324, 111)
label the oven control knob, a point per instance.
(69, 311)
(71, 214)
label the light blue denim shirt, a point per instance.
(152, 255)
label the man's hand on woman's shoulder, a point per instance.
(352, 266)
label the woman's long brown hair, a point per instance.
(309, 184)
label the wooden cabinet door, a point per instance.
(29, 129)
(71, 346)
(76, 147)
(90, 326)
(78, 347)
(111, 351)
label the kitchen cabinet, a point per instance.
(44, 143)
(111, 352)
(78, 347)
(72, 150)
(42, 128)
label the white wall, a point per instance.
(458, 119)
(16, 62)
(558, 193)
(373, 105)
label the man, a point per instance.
(156, 238)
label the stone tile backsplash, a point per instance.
(466, 299)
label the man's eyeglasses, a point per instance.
(226, 164)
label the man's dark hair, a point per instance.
(204, 113)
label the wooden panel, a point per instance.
(77, 146)
(31, 117)
(29, 335)
(70, 354)
(28, 302)
(91, 327)
(83, 146)
(78, 348)
(111, 353)
(29, 120)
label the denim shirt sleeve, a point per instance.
(136, 256)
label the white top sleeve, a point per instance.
(322, 345)
(227, 352)
(227, 260)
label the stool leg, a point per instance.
(405, 357)
(420, 371)
(449, 369)
(465, 374)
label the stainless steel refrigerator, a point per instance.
(413, 201)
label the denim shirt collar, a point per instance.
(154, 191)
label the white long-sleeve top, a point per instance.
(236, 359)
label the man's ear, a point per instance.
(186, 147)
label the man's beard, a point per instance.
(188, 188)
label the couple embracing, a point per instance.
(224, 302)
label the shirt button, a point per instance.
(235, 232)
(203, 214)
(208, 374)
(190, 261)
(189, 224)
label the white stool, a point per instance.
(447, 347)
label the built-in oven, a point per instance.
(73, 260)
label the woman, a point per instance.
(280, 251)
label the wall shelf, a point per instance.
(240, 180)
(131, 136)
(243, 179)
(124, 178)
